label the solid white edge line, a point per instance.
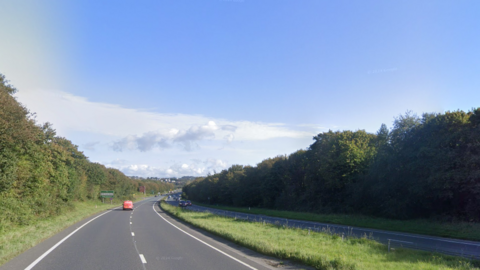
(60, 242)
(231, 257)
(142, 258)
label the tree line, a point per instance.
(41, 174)
(423, 167)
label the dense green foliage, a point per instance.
(426, 166)
(41, 174)
(155, 186)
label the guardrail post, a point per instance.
(388, 245)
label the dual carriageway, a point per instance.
(147, 238)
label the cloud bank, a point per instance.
(70, 114)
(148, 143)
(193, 168)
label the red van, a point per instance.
(127, 205)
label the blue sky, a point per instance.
(170, 88)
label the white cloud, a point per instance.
(178, 169)
(150, 140)
(146, 143)
(311, 126)
(128, 142)
(229, 137)
(69, 114)
(90, 146)
(229, 127)
(196, 133)
(118, 162)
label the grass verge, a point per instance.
(20, 238)
(320, 250)
(459, 230)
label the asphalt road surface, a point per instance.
(469, 249)
(142, 239)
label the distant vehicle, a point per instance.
(169, 196)
(127, 205)
(182, 204)
(189, 203)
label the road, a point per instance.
(450, 246)
(142, 239)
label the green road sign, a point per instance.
(106, 194)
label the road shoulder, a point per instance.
(230, 247)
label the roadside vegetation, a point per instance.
(460, 230)
(320, 250)
(21, 238)
(424, 167)
(45, 179)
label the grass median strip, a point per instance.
(320, 250)
(21, 238)
(459, 230)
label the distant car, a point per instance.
(182, 204)
(189, 203)
(127, 205)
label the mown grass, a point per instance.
(320, 250)
(18, 239)
(459, 230)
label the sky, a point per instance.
(189, 87)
